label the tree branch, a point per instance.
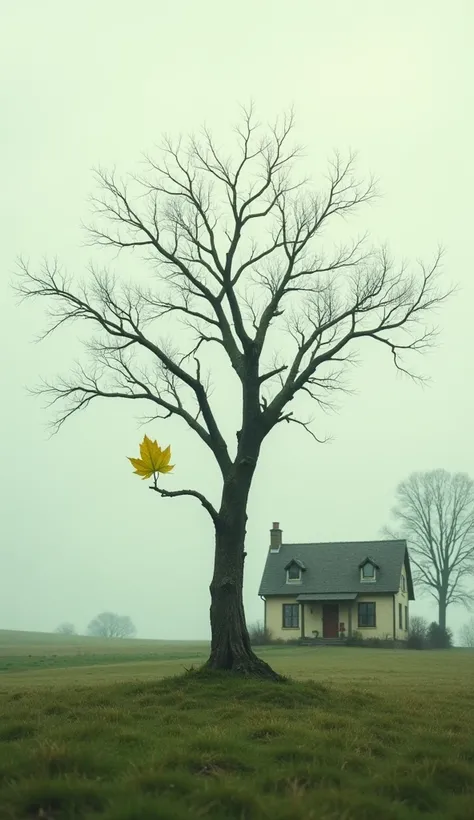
(102, 307)
(194, 494)
(288, 417)
(382, 302)
(235, 245)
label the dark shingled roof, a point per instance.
(334, 568)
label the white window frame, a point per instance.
(368, 580)
(293, 580)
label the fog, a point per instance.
(87, 84)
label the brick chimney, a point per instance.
(275, 537)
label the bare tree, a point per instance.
(418, 626)
(466, 634)
(435, 513)
(66, 628)
(236, 248)
(111, 625)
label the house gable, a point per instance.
(409, 577)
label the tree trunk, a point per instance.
(442, 609)
(230, 645)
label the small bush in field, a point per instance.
(417, 635)
(439, 638)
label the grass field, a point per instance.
(105, 729)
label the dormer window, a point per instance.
(294, 573)
(294, 570)
(368, 571)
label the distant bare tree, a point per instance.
(418, 625)
(417, 633)
(466, 634)
(111, 625)
(236, 248)
(260, 635)
(66, 629)
(435, 513)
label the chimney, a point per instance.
(275, 537)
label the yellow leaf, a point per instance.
(167, 468)
(165, 456)
(151, 454)
(140, 467)
(153, 459)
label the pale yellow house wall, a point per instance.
(383, 615)
(313, 619)
(274, 617)
(402, 598)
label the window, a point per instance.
(404, 586)
(400, 619)
(406, 618)
(291, 616)
(367, 572)
(294, 573)
(366, 614)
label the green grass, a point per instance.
(357, 735)
(33, 652)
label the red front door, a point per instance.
(330, 620)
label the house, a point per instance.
(331, 590)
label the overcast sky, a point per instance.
(94, 83)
